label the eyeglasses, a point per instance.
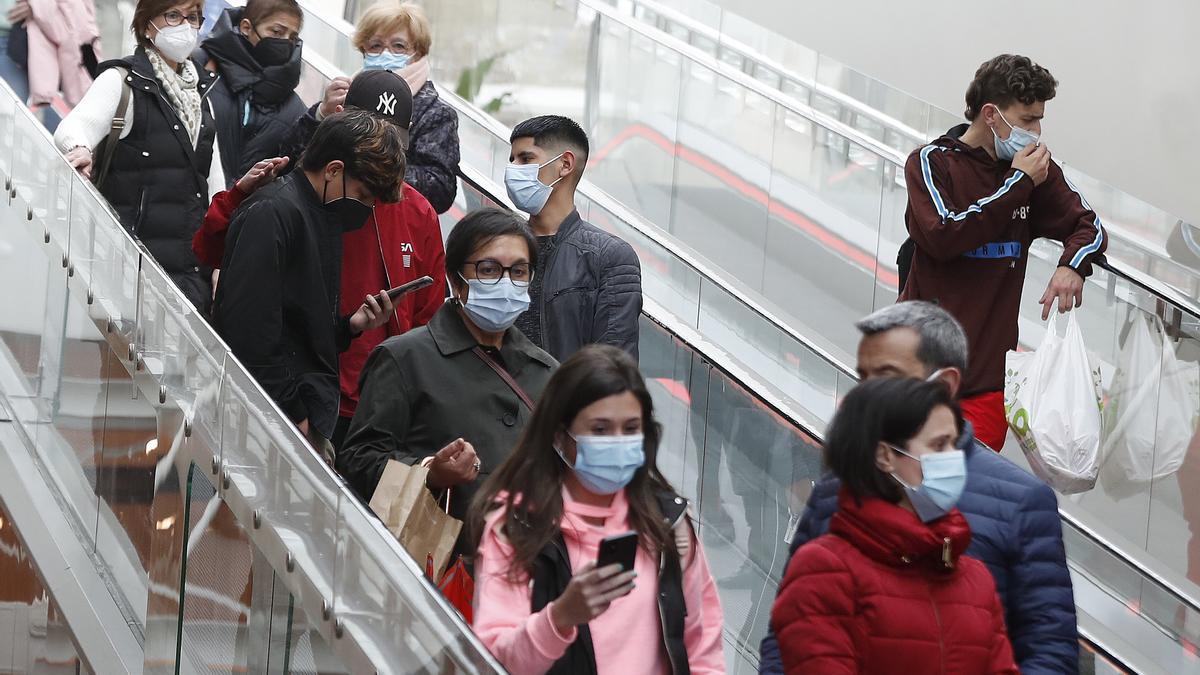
(377, 48)
(490, 272)
(174, 17)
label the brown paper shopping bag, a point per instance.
(412, 515)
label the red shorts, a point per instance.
(986, 413)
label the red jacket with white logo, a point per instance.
(972, 219)
(403, 243)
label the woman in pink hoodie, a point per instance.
(585, 470)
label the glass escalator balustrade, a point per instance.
(851, 217)
(223, 540)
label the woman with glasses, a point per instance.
(144, 133)
(256, 52)
(454, 395)
(396, 36)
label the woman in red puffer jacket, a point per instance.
(888, 589)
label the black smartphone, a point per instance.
(414, 285)
(619, 548)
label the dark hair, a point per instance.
(148, 10)
(887, 409)
(371, 147)
(478, 229)
(1007, 78)
(554, 131)
(533, 474)
(261, 10)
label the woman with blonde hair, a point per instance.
(396, 36)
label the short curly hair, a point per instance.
(1008, 78)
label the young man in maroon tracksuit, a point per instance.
(977, 198)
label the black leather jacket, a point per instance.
(591, 291)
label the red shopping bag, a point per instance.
(456, 586)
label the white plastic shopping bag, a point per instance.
(1153, 406)
(1052, 402)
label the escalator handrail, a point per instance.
(917, 136)
(323, 479)
(491, 192)
(884, 152)
(494, 193)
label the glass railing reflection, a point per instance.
(226, 541)
(1147, 239)
(797, 214)
(749, 468)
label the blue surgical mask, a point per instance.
(606, 464)
(1007, 148)
(943, 477)
(385, 61)
(527, 192)
(495, 307)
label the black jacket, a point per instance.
(433, 152)
(591, 291)
(424, 389)
(255, 106)
(552, 572)
(432, 157)
(277, 300)
(158, 182)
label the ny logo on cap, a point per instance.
(387, 104)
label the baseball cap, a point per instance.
(384, 93)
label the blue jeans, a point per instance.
(14, 75)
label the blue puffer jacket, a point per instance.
(1016, 532)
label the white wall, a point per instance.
(1128, 105)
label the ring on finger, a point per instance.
(478, 466)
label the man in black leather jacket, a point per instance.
(588, 285)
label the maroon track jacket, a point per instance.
(972, 219)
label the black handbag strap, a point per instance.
(109, 145)
(504, 375)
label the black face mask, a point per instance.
(272, 51)
(350, 213)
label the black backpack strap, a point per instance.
(108, 146)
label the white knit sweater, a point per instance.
(91, 121)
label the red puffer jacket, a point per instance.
(885, 593)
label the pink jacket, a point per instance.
(56, 31)
(528, 643)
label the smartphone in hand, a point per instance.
(403, 289)
(618, 548)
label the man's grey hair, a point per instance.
(943, 342)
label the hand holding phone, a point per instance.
(589, 594)
(618, 548)
(404, 289)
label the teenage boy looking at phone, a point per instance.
(977, 198)
(277, 303)
(402, 242)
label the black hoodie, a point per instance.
(255, 105)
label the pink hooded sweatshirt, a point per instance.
(56, 31)
(628, 637)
